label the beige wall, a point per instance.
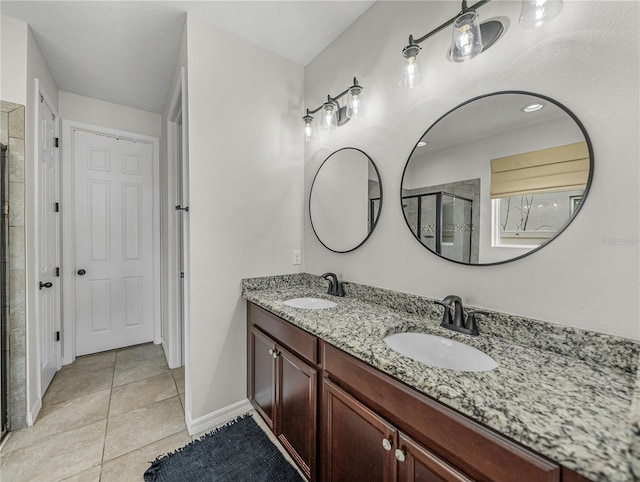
(13, 68)
(246, 202)
(94, 111)
(587, 59)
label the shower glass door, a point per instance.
(4, 302)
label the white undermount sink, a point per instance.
(440, 352)
(310, 303)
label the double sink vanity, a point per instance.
(363, 383)
(369, 386)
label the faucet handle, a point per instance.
(471, 323)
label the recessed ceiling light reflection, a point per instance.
(422, 144)
(536, 106)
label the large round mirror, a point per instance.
(496, 178)
(345, 200)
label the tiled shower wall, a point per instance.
(12, 129)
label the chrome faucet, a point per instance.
(335, 287)
(457, 321)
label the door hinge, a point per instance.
(182, 275)
(57, 336)
(56, 141)
(56, 207)
(57, 272)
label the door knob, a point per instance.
(48, 284)
(82, 272)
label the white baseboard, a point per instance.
(217, 418)
(32, 416)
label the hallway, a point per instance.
(104, 418)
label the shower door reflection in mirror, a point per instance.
(442, 222)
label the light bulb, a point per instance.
(535, 13)
(353, 102)
(308, 127)
(467, 38)
(411, 70)
(328, 121)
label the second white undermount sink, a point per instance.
(440, 352)
(310, 303)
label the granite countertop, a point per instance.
(576, 406)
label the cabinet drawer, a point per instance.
(288, 335)
(478, 451)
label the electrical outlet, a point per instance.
(297, 257)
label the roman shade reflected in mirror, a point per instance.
(496, 178)
(345, 200)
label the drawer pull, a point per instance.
(386, 443)
(400, 455)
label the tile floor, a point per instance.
(104, 418)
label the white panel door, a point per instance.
(113, 190)
(48, 247)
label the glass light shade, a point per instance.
(308, 128)
(353, 102)
(328, 120)
(411, 73)
(535, 13)
(467, 38)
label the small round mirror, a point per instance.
(497, 178)
(345, 200)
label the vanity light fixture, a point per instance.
(332, 114)
(470, 38)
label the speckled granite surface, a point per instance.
(566, 393)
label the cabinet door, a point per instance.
(417, 464)
(297, 409)
(359, 445)
(262, 374)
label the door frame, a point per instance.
(33, 262)
(68, 216)
(174, 341)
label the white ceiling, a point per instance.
(125, 51)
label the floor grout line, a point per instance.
(107, 418)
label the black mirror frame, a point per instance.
(375, 222)
(573, 215)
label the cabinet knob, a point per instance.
(400, 455)
(386, 443)
(273, 353)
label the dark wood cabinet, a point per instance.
(357, 442)
(355, 423)
(457, 441)
(418, 464)
(361, 445)
(283, 389)
(262, 375)
(296, 402)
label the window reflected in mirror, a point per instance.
(506, 187)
